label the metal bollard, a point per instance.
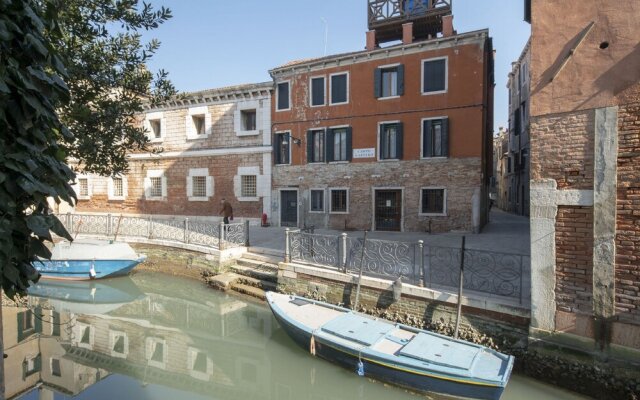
(246, 233)
(287, 255)
(221, 236)
(343, 243)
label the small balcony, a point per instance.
(387, 16)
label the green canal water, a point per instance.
(152, 336)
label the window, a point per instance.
(156, 186)
(86, 335)
(156, 128)
(199, 186)
(432, 201)
(83, 184)
(117, 187)
(200, 363)
(435, 137)
(339, 201)
(339, 142)
(391, 141)
(317, 200)
(248, 118)
(282, 148)
(340, 88)
(317, 91)
(282, 94)
(55, 367)
(198, 124)
(248, 186)
(389, 81)
(315, 146)
(32, 365)
(434, 76)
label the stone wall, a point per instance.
(574, 259)
(460, 177)
(628, 213)
(562, 149)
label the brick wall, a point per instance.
(574, 259)
(628, 214)
(562, 148)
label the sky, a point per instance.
(215, 43)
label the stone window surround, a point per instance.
(331, 190)
(237, 183)
(192, 354)
(324, 102)
(256, 105)
(444, 202)
(331, 103)
(277, 96)
(111, 187)
(190, 130)
(209, 184)
(150, 348)
(155, 173)
(324, 200)
(112, 341)
(76, 187)
(422, 157)
(79, 332)
(378, 147)
(163, 126)
(389, 66)
(327, 143)
(446, 75)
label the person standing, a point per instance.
(226, 211)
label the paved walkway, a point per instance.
(505, 233)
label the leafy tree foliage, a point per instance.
(105, 57)
(32, 164)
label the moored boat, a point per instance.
(402, 355)
(89, 259)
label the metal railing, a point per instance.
(177, 229)
(386, 11)
(486, 272)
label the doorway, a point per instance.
(288, 208)
(388, 210)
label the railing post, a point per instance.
(421, 255)
(459, 311)
(287, 254)
(221, 236)
(521, 278)
(246, 233)
(343, 246)
(150, 227)
(108, 224)
(186, 230)
(70, 223)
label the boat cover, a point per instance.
(440, 350)
(92, 250)
(359, 329)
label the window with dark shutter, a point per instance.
(281, 145)
(432, 201)
(391, 141)
(315, 146)
(435, 138)
(389, 81)
(339, 89)
(283, 96)
(434, 79)
(317, 91)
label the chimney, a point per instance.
(371, 40)
(407, 33)
(447, 26)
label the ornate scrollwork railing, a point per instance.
(384, 11)
(315, 249)
(181, 229)
(383, 259)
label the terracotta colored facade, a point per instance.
(463, 173)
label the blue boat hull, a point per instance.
(382, 371)
(81, 269)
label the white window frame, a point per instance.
(241, 106)
(288, 81)
(324, 95)
(111, 188)
(290, 146)
(379, 148)
(422, 157)
(51, 366)
(324, 201)
(192, 354)
(155, 173)
(331, 103)
(149, 348)
(261, 183)
(324, 138)
(326, 143)
(446, 75)
(163, 126)
(331, 200)
(190, 128)
(78, 333)
(444, 202)
(388, 66)
(242, 186)
(112, 342)
(209, 184)
(76, 187)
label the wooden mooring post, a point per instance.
(459, 312)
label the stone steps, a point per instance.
(249, 291)
(257, 283)
(252, 275)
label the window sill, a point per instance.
(389, 97)
(432, 215)
(316, 163)
(339, 104)
(435, 158)
(116, 198)
(198, 198)
(254, 132)
(438, 92)
(317, 105)
(155, 198)
(248, 198)
(389, 160)
(316, 212)
(339, 212)
(199, 137)
(281, 165)
(284, 109)
(339, 162)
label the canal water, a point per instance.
(152, 336)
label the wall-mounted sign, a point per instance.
(364, 153)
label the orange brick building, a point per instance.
(394, 138)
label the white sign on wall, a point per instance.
(364, 153)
